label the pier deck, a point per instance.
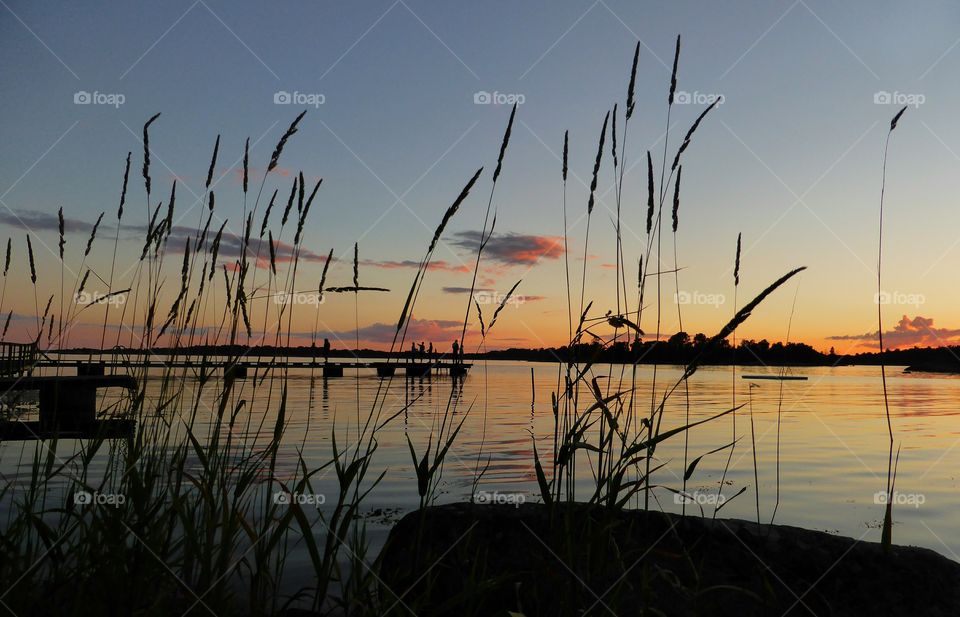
(241, 368)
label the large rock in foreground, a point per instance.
(467, 559)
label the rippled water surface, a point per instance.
(832, 454)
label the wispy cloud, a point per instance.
(230, 244)
(487, 292)
(409, 263)
(512, 248)
(463, 290)
(32, 220)
(429, 330)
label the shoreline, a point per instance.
(933, 360)
(300, 352)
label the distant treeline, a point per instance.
(680, 348)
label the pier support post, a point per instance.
(418, 370)
(67, 406)
(236, 371)
(91, 368)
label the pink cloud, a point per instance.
(916, 332)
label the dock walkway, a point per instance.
(241, 368)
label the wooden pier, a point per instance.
(68, 407)
(241, 369)
(68, 399)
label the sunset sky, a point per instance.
(407, 98)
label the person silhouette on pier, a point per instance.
(413, 351)
(456, 351)
(430, 352)
(423, 351)
(326, 350)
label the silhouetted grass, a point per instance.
(200, 528)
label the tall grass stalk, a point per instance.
(887, 534)
(776, 503)
(733, 376)
(676, 281)
(753, 448)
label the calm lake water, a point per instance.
(833, 441)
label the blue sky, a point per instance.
(791, 158)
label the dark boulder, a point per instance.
(467, 559)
